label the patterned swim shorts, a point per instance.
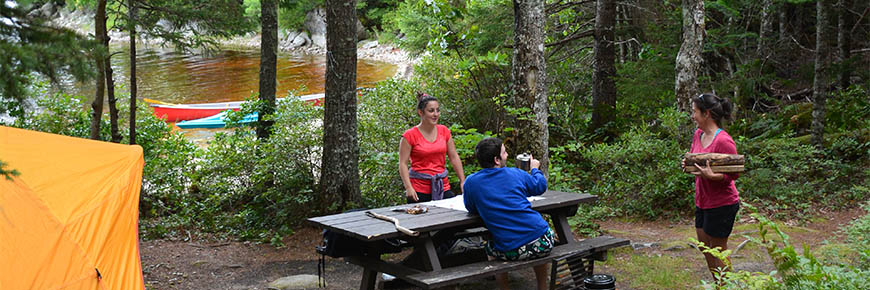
(535, 249)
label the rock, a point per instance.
(315, 23)
(287, 35)
(294, 282)
(361, 32)
(300, 40)
(638, 246)
(368, 44)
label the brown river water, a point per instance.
(227, 75)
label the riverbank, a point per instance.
(82, 21)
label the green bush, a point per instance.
(786, 176)
(793, 270)
(639, 174)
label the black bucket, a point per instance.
(600, 281)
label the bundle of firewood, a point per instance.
(720, 163)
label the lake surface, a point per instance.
(226, 75)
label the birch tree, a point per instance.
(529, 74)
(688, 62)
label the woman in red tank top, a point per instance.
(425, 147)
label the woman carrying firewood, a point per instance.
(716, 197)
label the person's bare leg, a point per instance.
(502, 281)
(542, 275)
(713, 263)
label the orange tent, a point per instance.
(70, 219)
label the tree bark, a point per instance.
(110, 92)
(714, 158)
(97, 104)
(603, 83)
(688, 62)
(529, 74)
(339, 180)
(765, 32)
(134, 91)
(844, 42)
(268, 65)
(821, 78)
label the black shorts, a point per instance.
(717, 222)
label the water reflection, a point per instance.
(228, 75)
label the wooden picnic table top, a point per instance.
(360, 226)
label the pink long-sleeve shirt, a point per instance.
(711, 193)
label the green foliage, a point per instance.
(793, 270)
(639, 173)
(30, 46)
(441, 25)
(191, 24)
(8, 173)
(785, 175)
(254, 188)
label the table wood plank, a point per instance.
(357, 224)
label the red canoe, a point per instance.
(182, 112)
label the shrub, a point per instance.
(793, 270)
(639, 174)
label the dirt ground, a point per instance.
(203, 263)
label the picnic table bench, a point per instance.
(576, 256)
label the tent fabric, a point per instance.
(71, 212)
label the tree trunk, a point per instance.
(783, 22)
(268, 65)
(603, 84)
(688, 63)
(133, 88)
(765, 32)
(97, 105)
(844, 42)
(339, 180)
(821, 79)
(110, 92)
(529, 73)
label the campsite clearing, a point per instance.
(201, 262)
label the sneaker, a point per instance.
(387, 277)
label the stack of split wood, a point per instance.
(720, 163)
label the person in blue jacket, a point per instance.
(499, 195)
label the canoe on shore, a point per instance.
(182, 112)
(213, 122)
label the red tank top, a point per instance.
(427, 157)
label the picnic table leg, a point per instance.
(430, 257)
(369, 277)
(563, 229)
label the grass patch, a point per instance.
(653, 272)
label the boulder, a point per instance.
(286, 35)
(294, 282)
(300, 40)
(315, 23)
(368, 44)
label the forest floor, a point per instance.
(207, 263)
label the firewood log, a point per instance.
(718, 169)
(716, 159)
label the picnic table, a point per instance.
(360, 226)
